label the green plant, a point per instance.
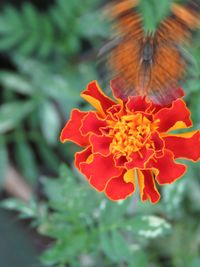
(42, 91)
(47, 51)
(102, 231)
(57, 32)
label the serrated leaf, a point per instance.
(173, 197)
(11, 114)
(3, 161)
(112, 212)
(50, 122)
(148, 226)
(65, 250)
(15, 82)
(65, 195)
(55, 85)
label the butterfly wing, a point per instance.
(169, 63)
(123, 52)
(159, 76)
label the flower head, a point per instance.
(125, 140)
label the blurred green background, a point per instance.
(49, 216)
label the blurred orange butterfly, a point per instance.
(150, 64)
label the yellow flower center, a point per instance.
(131, 133)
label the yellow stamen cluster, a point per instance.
(130, 134)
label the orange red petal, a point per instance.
(170, 116)
(95, 96)
(71, 131)
(159, 144)
(92, 124)
(101, 144)
(117, 188)
(139, 103)
(147, 186)
(116, 85)
(183, 147)
(82, 156)
(168, 170)
(139, 159)
(100, 171)
(154, 159)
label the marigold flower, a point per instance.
(128, 140)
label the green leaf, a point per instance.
(11, 114)
(114, 245)
(192, 185)
(139, 258)
(65, 250)
(26, 160)
(27, 210)
(153, 13)
(3, 161)
(29, 44)
(30, 15)
(112, 212)
(57, 19)
(92, 25)
(173, 194)
(15, 82)
(66, 10)
(195, 107)
(106, 246)
(13, 16)
(5, 27)
(10, 20)
(192, 86)
(148, 226)
(120, 247)
(196, 263)
(47, 43)
(49, 158)
(149, 20)
(11, 40)
(55, 85)
(66, 195)
(32, 32)
(162, 9)
(50, 122)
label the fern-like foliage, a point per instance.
(58, 31)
